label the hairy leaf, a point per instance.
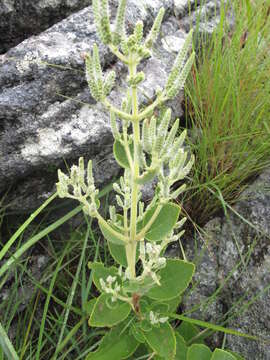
(116, 344)
(101, 272)
(219, 354)
(199, 351)
(175, 278)
(181, 347)
(189, 331)
(120, 153)
(103, 315)
(163, 224)
(162, 340)
(110, 235)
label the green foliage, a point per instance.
(138, 297)
(228, 102)
(188, 331)
(164, 222)
(174, 279)
(199, 351)
(111, 234)
(107, 313)
(120, 153)
(219, 354)
(162, 340)
(116, 344)
(101, 272)
(181, 347)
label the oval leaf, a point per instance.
(171, 304)
(120, 153)
(175, 278)
(181, 347)
(89, 306)
(102, 315)
(236, 355)
(100, 272)
(189, 331)
(162, 340)
(163, 224)
(114, 346)
(118, 252)
(219, 354)
(109, 235)
(199, 351)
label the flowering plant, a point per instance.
(137, 297)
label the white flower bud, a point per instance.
(102, 284)
(162, 320)
(110, 279)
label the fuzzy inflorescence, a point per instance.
(148, 147)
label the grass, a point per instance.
(228, 98)
(228, 109)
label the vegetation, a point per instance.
(228, 104)
(227, 108)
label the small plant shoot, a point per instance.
(139, 293)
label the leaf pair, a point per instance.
(159, 229)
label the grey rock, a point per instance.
(48, 117)
(206, 15)
(36, 265)
(236, 260)
(21, 18)
(47, 112)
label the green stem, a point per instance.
(132, 246)
(150, 108)
(149, 224)
(125, 221)
(123, 115)
(117, 53)
(130, 161)
(5, 249)
(109, 228)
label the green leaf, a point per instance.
(120, 153)
(146, 176)
(199, 351)
(236, 355)
(141, 288)
(137, 332)
(162, 340)
(118, 252)
(172, 303)
(175, 278)
(100, 272)
(163, 224)
(189, 331)
(181, 347)
(110, 235)
(116, 344)
(219, 354)
(89, 306)
(103, 315)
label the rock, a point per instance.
(36, 266)
(237, 257)
(48, 118)
(20, 19)
(47, 112)
(206, 14)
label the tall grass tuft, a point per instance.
(228, 107)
